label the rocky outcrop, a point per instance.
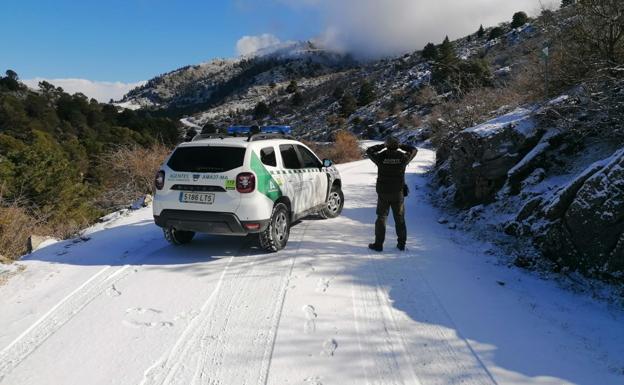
(37, 241)
(480, 158)
(582, 224)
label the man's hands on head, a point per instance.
(376, 148)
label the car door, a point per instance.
(315, 181)
(293, 181)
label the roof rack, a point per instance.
(208, 136)
(268, 136)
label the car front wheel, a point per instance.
(335, 203)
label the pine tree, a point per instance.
(347, 105)
(292, 87)
(519, 19)
(338, 92)
(446, 62)
(261, 110)
(12, 75)
(566, 3)
(297, 99)
(481, 31)
(366, 94)
(496, 33)
(446, 52)
(430, 52)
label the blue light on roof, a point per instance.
(244, 130)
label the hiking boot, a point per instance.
(401, 247)
(376, 247)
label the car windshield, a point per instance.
(206, 159)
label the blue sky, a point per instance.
(132, 40)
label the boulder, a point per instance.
(143, 201)
(582, 225)
(37, 241)
(482, 156)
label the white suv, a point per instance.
(238, 186)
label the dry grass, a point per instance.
(130, 173)
(16, 225)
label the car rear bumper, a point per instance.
(208, 222)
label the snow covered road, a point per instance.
(124, 307)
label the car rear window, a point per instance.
(206, 159)
(267, 156)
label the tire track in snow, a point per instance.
(429, 354)
(27, 342)
(380, 345)
(232, 338)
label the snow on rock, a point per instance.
(580, 226)
(36, 242)
(479, 159)
(558, 100)
(520, 120)
(504, 71)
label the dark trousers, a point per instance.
(384, 203)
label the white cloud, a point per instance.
(379, 27)
(101, 91)
(248, 45)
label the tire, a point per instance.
(334, 205)
(275, 237)
(178, 237)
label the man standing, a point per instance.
(391, 160)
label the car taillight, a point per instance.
(159, 181)
(245, 182)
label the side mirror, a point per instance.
(327, 163)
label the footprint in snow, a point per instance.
(139, 324)
(316, 380)
(309, 326)
(113, 292)
(329, 347)
(142, 310)
(323, 285)
(139, 317)
(311, 267)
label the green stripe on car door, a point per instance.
(266, 184)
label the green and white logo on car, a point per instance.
(265, 182)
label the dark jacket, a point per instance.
(391, 166)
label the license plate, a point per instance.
(197, 197)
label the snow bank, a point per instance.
(520, 120)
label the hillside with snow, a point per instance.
(119, 305)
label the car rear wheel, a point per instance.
(275, 237)
(334, 204)
(178, 237)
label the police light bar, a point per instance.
(244, 130)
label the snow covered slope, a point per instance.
(121, 306)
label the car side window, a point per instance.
(289, 156)
(308, 158)
(267, 156)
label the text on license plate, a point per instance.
(196, 197)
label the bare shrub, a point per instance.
(129, 173)
(474, 108)
(424, 96)
(345, 148)
(586, 38)
(16, 225)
